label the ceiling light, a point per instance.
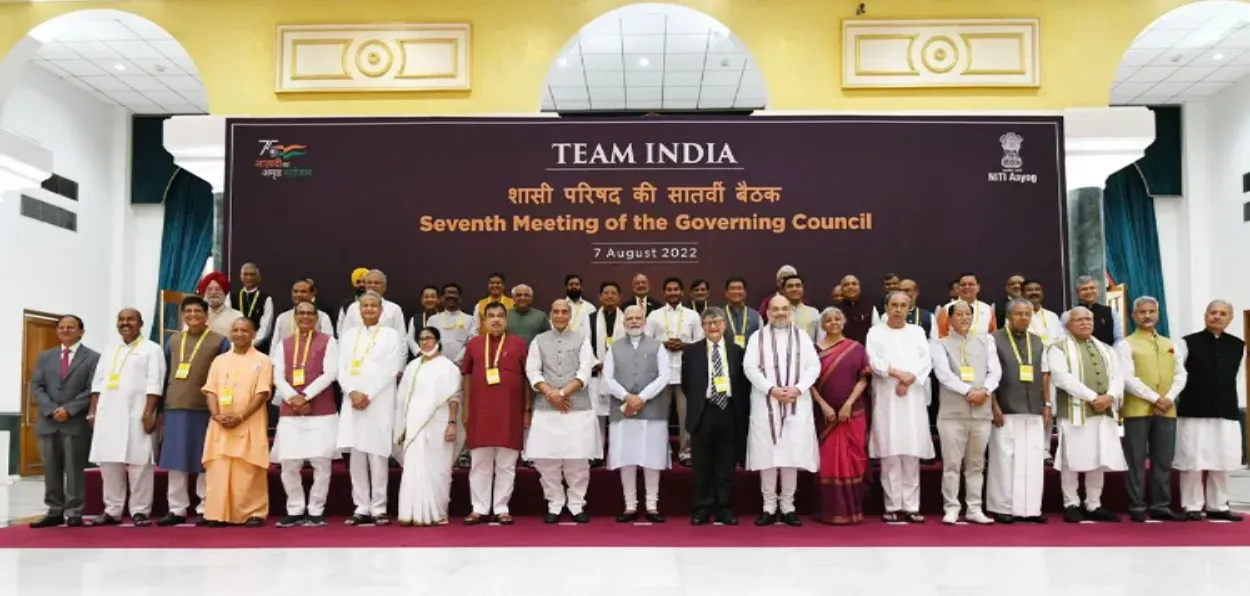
(562, 62)
(644, 62)
(119, 67)
(1217, 56)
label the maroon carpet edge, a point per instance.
(604, 532)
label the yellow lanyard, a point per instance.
(356, 347)
(577, 315)
(458, 324)
(182, 347)
(963, 352)
(1028, 345)
(243, 300)
(308, 348)
(681, 314)
(498, 350)
(117, 369)
(734, 328)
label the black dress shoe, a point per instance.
(766, 519)
(699, 519)
(1073, 515)
(582, 517)
(655, 518)
(1137, 517)
(1000, 518)
(1166, 515)
(1102, 516)
(790, 519)
(202, 522)
(74, 522)
(627, 517)
(551, 518)
(171, 520)
(49, 521)
(1226, 515)
(291, 521)
(1193, 516)
(1034, 519)
(727, 518)
(105, 519)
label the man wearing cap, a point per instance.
(213, 288)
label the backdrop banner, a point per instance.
(431, 201)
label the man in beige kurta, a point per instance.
(236, 450)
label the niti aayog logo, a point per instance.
(1012, 163)
(275, 160)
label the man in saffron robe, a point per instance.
(236, 451)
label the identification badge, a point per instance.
(721, 384)
(114, 380)
(492, 376)
(354, 369)
(741, 340)
(297, 377)
(1026, 373)
(183, 371)
(607, 342)
(226, 398)
(966, 374)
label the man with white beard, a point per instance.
(635, 373)
(1090, 387)
(900, 359)
(782, 365)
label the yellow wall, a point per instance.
(796, 43)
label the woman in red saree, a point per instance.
(844, 375)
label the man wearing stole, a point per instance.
(635, 373)
(604, 327)
(236, 451)
(1090, 387)
(900, 359)
(425, 433)
(1154, 375)
(189, 354)
(968, 371)
(454, 325)
(782, 365)
(496, 412)
(1208, 436)
(305, 366)
(676, 327)
(370, 359)
(564, 433)
(1020, 439)
(124, 395)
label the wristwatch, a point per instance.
(1046, 404)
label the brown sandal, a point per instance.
(912, 517)
(474, 519)
(504, 519)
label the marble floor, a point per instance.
(950, 571)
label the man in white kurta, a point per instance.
(782, 365)
(371, 357)
(900, 359)
(454, 325)
(392, 315)
(305, 366)
(564, 431)
(425, 433)
(805, 318)
(1045, 323)
(635, 373)
(124, 395)
(284, 325)
(676, 326)
(1086, 375)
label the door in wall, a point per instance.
(38, 336)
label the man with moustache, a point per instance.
(1108, 328)
(889, 283)
(1014, 289)
(605, 326)
(453, 324)
(62, 389)
(712, 375)
(564, 432)
(579, 308)
(392, 315)
(675, 326)
(1090, 388)
(494, 293)
(431, 304)
(635, 373)
(743, 322)
(255, 304)
(303, 290)
(782, 436)
(525, 321)
(782, 273)
(641, 287)
(189, 355)
(983, 321)
(214, 287)
(1045, 323)
(1208, 434)
(124, 396)
(358, 289)
(805, 318)
(698, 295)
(857, 310)
(1154, 375)
(497, 410)
(915, 316)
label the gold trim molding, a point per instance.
(372, 58)
(914, 54)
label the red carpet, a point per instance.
(605, 532)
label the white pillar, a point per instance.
(198, 145)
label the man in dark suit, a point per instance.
(62, 387)
(718, 406)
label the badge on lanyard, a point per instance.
(721, 384)
(354, 369)
(226, 398)
(741, 340)
(966, 374)
(492, 376)
(184, 369)
(297, 377)
(114, 381)
(1026, 373)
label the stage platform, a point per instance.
(604, 494)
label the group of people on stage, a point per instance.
(776, 390)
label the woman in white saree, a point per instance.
(425, 433)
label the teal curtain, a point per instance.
(1130, 231)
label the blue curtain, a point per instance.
(1132, 239)
(187, 235)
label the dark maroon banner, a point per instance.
(437, 200)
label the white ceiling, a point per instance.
(123, 60)
(654, 57)
(1186, 55)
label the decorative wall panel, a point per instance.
(940, 53)
(372, 58)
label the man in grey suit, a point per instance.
(62, 386)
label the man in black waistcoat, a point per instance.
(1108, 328)
(255, 305)
(1208, 434)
